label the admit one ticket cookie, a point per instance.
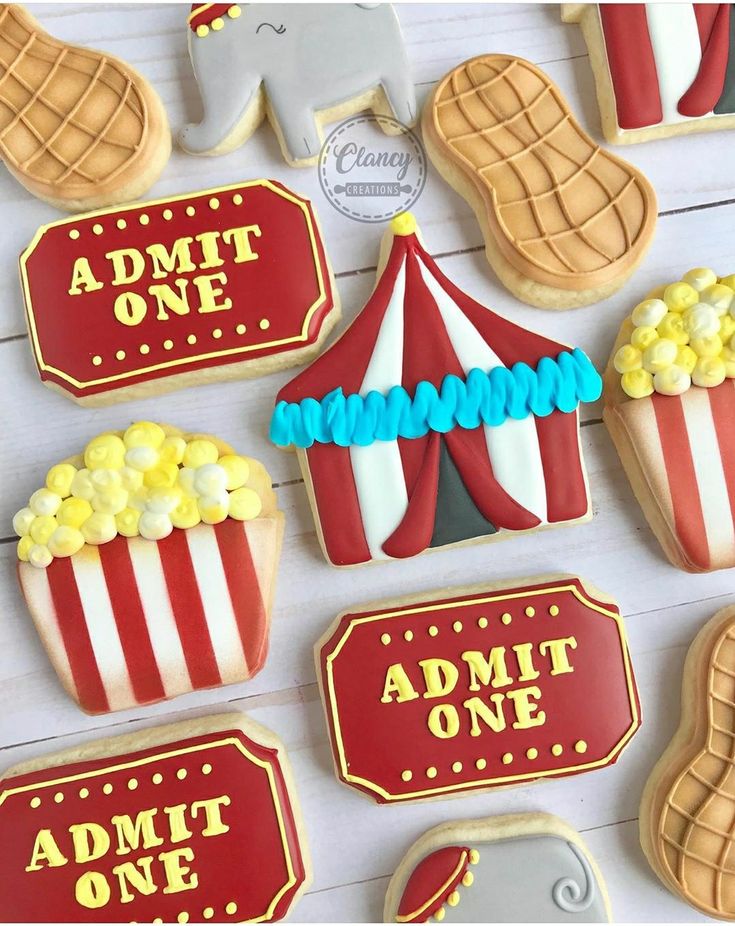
(477, 688)
(220, 284)
(192, 822)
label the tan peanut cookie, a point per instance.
(687, 821)
(565, 222)
(78, 128)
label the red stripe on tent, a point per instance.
(566, 491)
(337, 505)
(242, 584)
(722, 403)
(701, 98)
(706, 14)
(683, 486)
(122, 588)
(634, 76)
(74, 633)
(186, 603)
(413, 534)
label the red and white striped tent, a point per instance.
(396, 498)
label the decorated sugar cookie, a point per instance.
(80, 128)
(686, 821)
(565, 222)
(669, 407)
(522, 868)
(433, 421)
(191, 822)
(148, 564)
(660, 68)
(221, 284)
(477, 688)
(301, 65)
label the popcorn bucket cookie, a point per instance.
(148, 564)
(669, 407)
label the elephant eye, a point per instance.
(279, 30)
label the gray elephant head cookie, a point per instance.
(523, 868)
(301, 65)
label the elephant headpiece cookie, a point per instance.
(300, 64)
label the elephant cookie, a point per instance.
(191, 822)
(80, 128)
(300, 65)
(433, 421)
(660, 68)
(521, 868)
(478, 688)
(221, 284)
(669, 408)
(148, 564)
(686, 815)
(565, 222)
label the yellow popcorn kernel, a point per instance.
(40, 556)
(679, 296)
(81, 485)
(172, 450)
(163, 499)
(73, 512)
(106, 451)
(139, 498)
(728, 358)
(245, 504)
(210, 479)
(44, 501)
(637, 384)
(22, 521)
(701, 321)
(103, 479)
(112, 500)
(186, 514)
(126, 522)
(709, 372)
(99, 528)
(199, 452)
(727, 328)
(213, 510)
(131, 479)
(24, 548)
(626, 358)
(186, 480)
(718, 296)
(707, 347)
(237, 469)
(59, 479)
(643, 337)
(686, 358)
(659, 355)
(728, 281)
(65, 541)
(162, 477)
(42, 528)
(144, 434)
(672, 381)
(700, 278)
(154, 526)
(672, 327)
(142, 458)
(649, 313)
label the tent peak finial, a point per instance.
(403, 224)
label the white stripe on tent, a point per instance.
(677, 51)
(513, 447)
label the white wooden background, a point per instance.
(355, 844)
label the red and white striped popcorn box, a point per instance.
(136, 621)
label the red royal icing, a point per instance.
(250, 870)
(277, 302)
(404, 729)
(701, 98)
(203, 14)
(431, 882)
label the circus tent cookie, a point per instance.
(192, 822)
(148, 564)
(565, 222)
(78, 128)
(660, 68)
(521, 868)
(434, 421)
(301, 66)
(669, 407)
(686, 815)
(220, 284)
(477, 688)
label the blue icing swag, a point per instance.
(482, 398)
